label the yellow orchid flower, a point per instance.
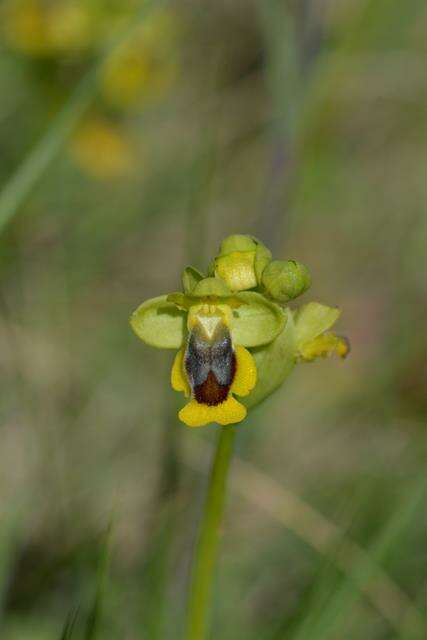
(212, 329)
(232, 341)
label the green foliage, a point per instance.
(94, 618)
(68, 631)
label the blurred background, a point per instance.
(134, 137)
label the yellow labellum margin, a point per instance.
(196, 414)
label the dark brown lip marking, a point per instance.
(210, 366)
(210, 392)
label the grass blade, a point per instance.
(35, 164)
(327, 621)
(95, 613)
(361, 567)
(67, 632)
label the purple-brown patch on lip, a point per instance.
(211, 392)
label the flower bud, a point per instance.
(285, 280)
(237, 242)
(241, 261)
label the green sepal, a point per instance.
(274, 362)
(312, 320)
(160, 323)
(257, 321)
(190, 278)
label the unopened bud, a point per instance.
(285, 280)
(241, 262)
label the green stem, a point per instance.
(207, 545)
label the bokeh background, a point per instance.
(135, 136)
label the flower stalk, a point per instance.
(204, 559)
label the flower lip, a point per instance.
(214, 401)
(210, 364)
(211, 392)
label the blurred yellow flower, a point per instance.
(40, 28)
(144, 67)
(70, 27)
(101, 149)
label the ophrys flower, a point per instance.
(232, 332)
(212, 330)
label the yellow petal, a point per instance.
(178, 379)
(325, 345)
(245, 378)
(195, 414)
